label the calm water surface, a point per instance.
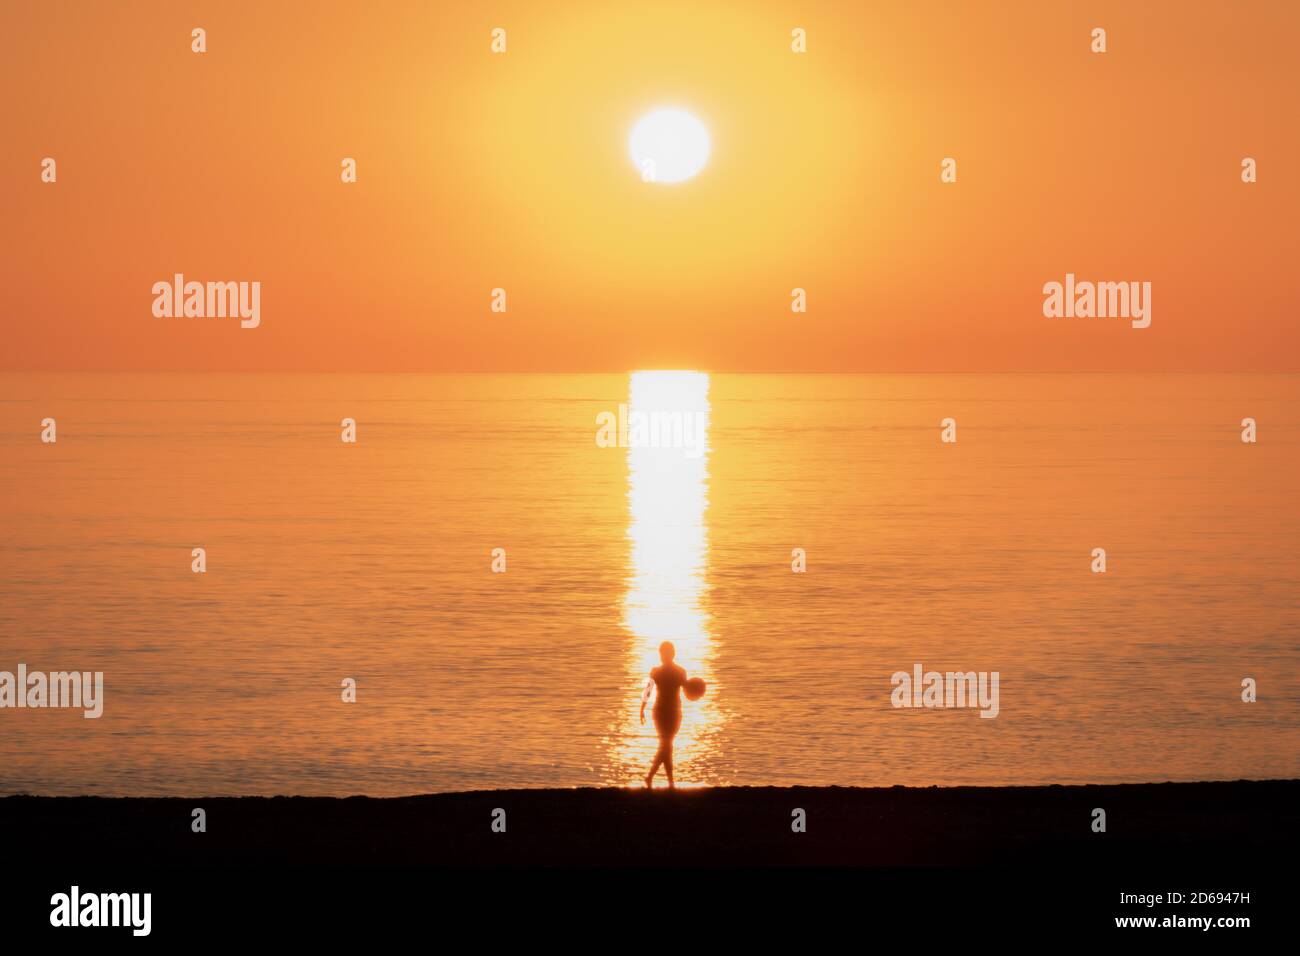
(373, 561)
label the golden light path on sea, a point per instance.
(667, 505)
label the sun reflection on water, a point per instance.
(667, 502)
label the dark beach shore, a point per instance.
(1049, 826)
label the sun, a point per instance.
(668, 146)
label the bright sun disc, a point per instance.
(668, 146)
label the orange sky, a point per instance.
(479, 170)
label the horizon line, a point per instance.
(643, 368)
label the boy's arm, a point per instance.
(645, 696)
